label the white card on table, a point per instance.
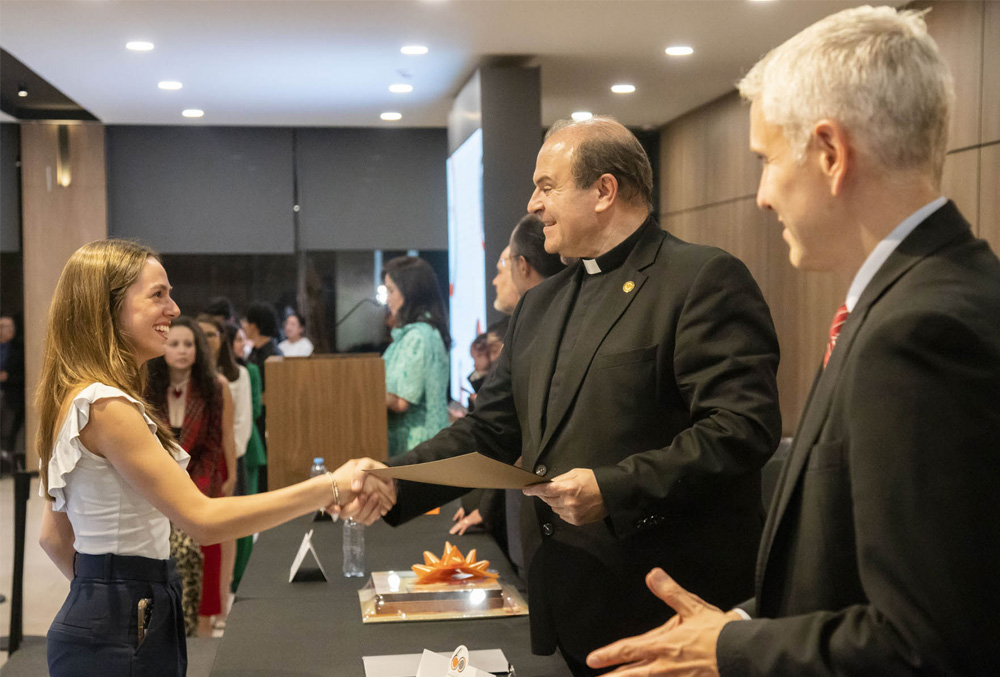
(306, 546)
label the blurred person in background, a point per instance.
(526, 264)
(296, 344)
(221, 308)
(186, 390)
(12, 387)
(238, 380)
(507, 296)
(253, 458)
(260, 327)
(530, 264)
(416, 362)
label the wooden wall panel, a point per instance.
(989, 196)
(957, 27)
(704, 158)
(329, 406)
(961, 183)
(991, 73)
(56, 221)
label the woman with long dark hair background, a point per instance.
(194, 398)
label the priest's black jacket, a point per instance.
(669, 395)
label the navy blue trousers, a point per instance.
(96, 632)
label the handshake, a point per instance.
(357, 494)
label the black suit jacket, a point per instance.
(669, 395)
(881, 549)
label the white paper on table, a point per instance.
(486, 661)
(473, 471)
(306, 546)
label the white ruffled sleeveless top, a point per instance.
(107, 514)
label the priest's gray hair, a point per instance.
(876, 71)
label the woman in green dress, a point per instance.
(416, 362)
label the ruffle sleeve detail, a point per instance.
(68, 449)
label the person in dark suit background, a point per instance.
(641, 381)
(12, 386)
(524, 264)
(880, 551)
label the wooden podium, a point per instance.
(325, 405)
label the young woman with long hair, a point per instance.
(115, 475)
(416, 362)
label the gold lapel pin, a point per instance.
(628, 286)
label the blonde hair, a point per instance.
(874, 70)
(84, 341)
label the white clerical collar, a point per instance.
(886, 247)
(591, 266)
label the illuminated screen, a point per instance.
(466, 259)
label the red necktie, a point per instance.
(838, 322)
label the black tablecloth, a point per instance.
(314, 628)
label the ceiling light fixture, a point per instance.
(623, 89)
(139, 46)
(581, 115)
(22, 91)
(679, 50)
(400, 88)
(414, 50)
(391, 117)
(192, 113)
(170, 84)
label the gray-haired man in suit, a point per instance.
(880, 552)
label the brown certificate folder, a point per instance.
(473, 471)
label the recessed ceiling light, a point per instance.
(170, 84)
(139, 46)
(679, 50)
(192, 113)
(401, 88)
(414, 50)
(391, 116)
(22, 91)
(581, 115)
(623, 89)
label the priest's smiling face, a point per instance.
(569, 212)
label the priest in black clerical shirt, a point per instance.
(641, 382)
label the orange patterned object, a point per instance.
(450, 564)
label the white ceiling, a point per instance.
(330, 62)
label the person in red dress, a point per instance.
(189, 394)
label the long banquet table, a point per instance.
(280, 629)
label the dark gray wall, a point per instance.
(231, 190)
(10, 189)
(202, 189)
(512, 135)
(373, 188)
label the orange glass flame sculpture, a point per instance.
(451, 563)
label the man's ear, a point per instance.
(523, 267)
(834, 154)
(607, 191)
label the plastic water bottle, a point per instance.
(354, 548)
(319, 468)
